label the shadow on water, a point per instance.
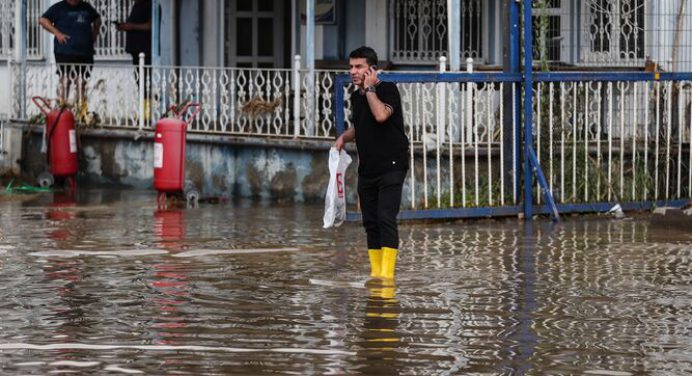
(104, 282)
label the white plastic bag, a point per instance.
(335, 200)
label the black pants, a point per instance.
(380, 198)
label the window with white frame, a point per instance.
(418, 30)
(34, 31)
(7, 28)
(613, 31)
(551, 25)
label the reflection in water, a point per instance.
(169, 228)
(169, 281)
(112, 292)
(61, 214)
(381, 339)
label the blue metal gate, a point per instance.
(575, 142)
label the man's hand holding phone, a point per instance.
(122, 26)
(370, 76)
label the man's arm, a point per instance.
(95, 29)
(348, 136)
(380, 111)
(131, 26)
(48, 25)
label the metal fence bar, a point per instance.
(424, 137)
(465, 134)
(586, 114)
(634, 140)
(538, 104)
(574, 141)
(551, 126)
(476, 138)
(623, 88)
(450, 138)
(598, 144)
(658, 133)
(490, 131)
(633, 168)
(502, 149)
(646, 138)
(610, 140)
(563, 116)
(669, 130)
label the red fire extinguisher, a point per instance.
(61, 139)
(169, 155)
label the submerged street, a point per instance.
(106, 283)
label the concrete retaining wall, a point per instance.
(219, 166)
(224, 166)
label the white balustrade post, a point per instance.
(469, 104)
(141, 91)
(20, 55)
(310, 114)
(441, 102)
(296, 96)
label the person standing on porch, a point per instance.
(76, 26)
(137, 30)
(383, 158)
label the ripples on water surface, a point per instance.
(110, 285)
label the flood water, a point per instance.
(108, 284)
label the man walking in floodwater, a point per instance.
(383, 158)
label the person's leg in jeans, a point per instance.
(368, 194)
(389, 201)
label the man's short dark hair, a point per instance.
(366, 53)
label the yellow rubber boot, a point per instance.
(375, 262)
(388, 262)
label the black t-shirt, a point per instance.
(75, 21)
(137, 41)
(382, 147)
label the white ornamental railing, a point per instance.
(253, 102)
(235, 101)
